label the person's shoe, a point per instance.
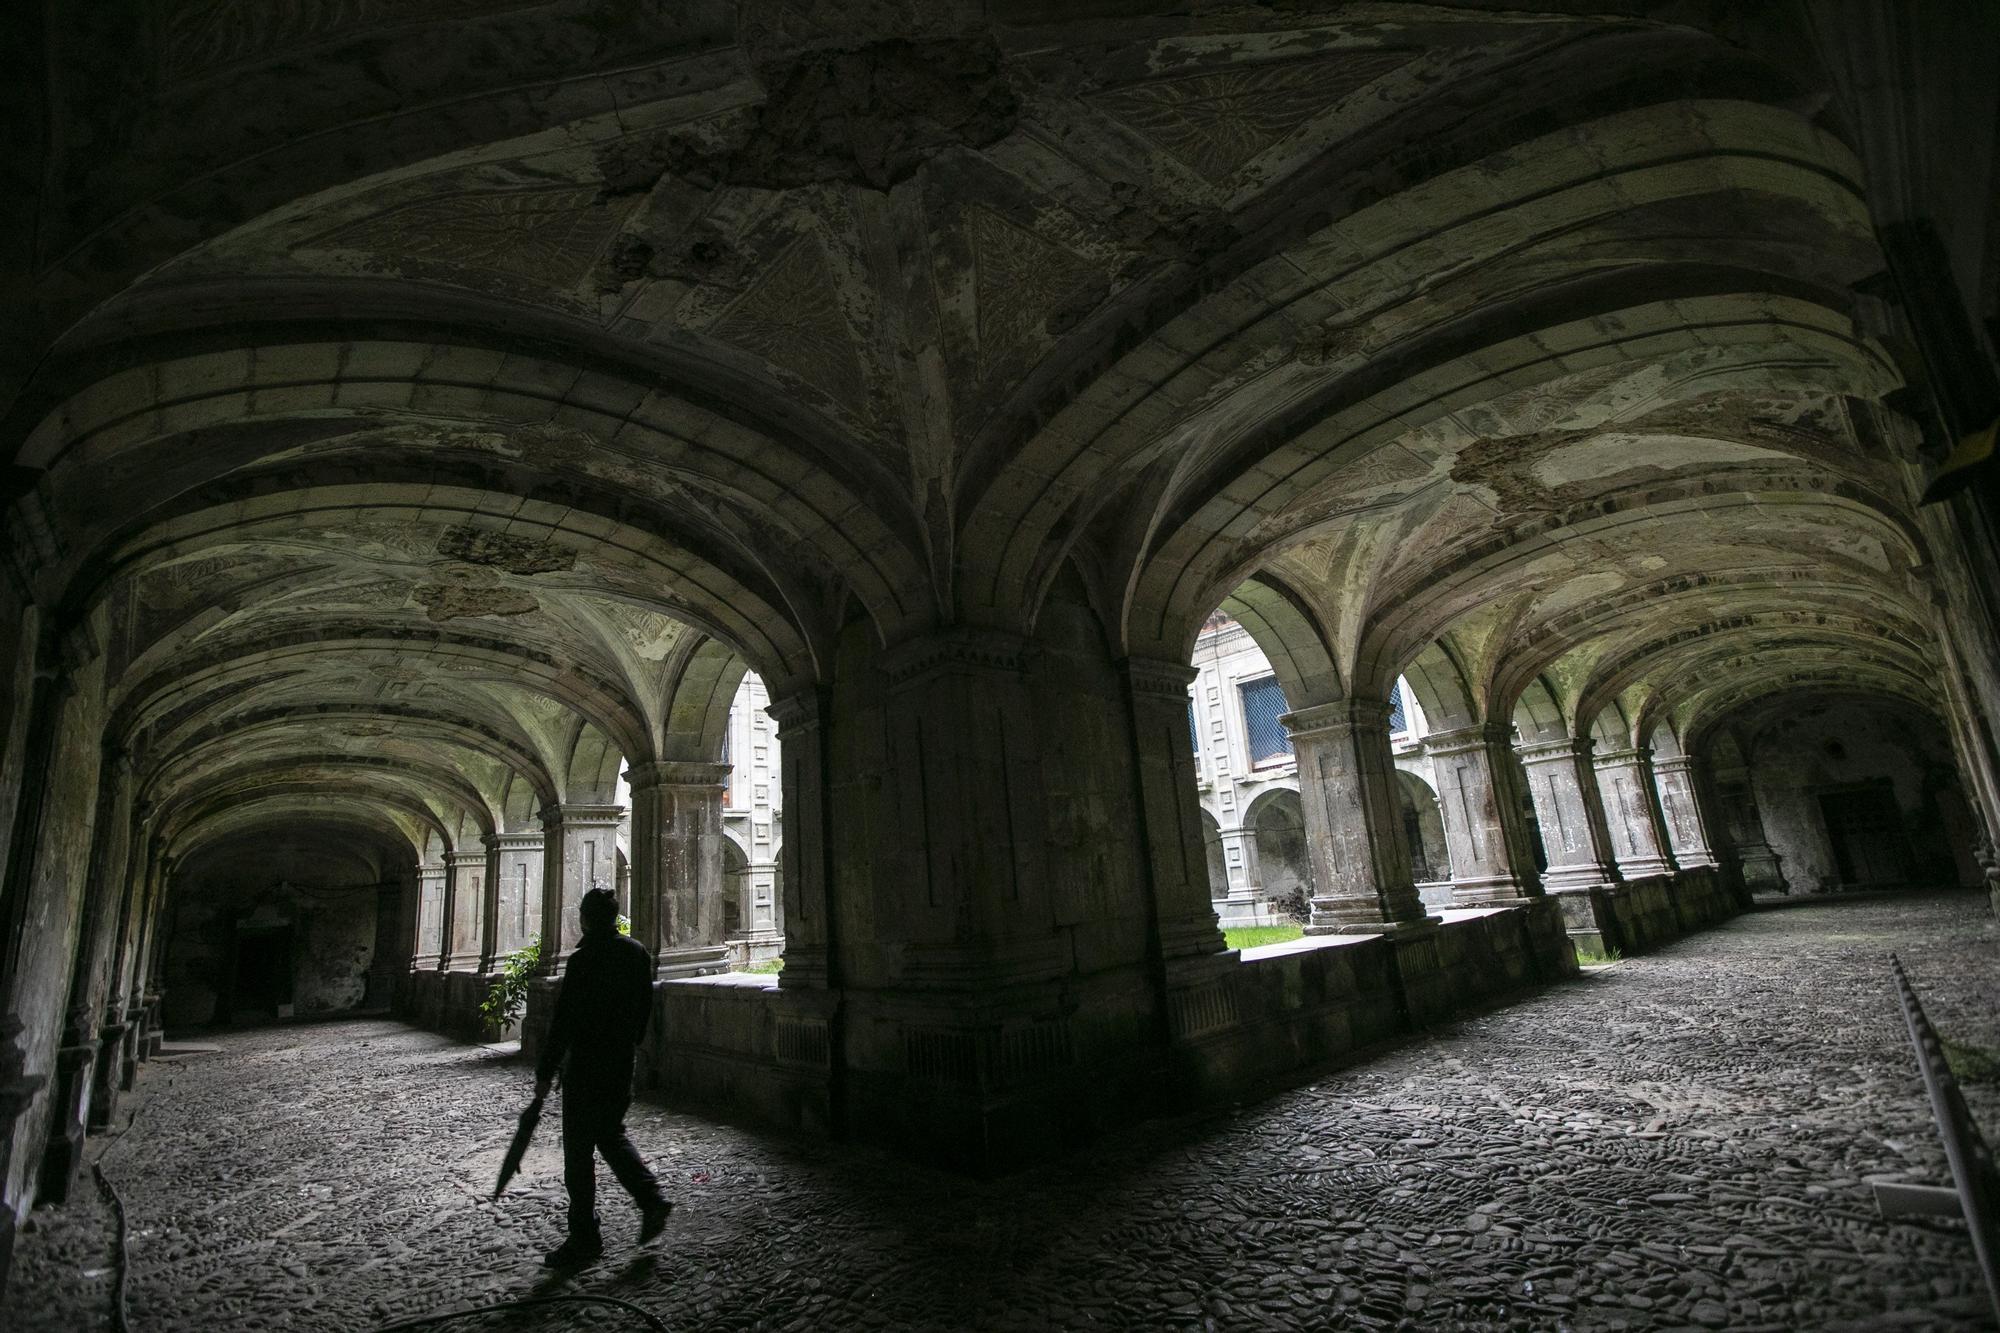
(653, 1220)
(575, 1252)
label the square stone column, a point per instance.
(677, 866)
(465, 897)
(579, 853)
(1175, 847)
(431, 945)
(802, 865)
(1355, 844)
(1681, 804)
(514, 892)
(1563, 785)
(1632, 811)
(1490, 858)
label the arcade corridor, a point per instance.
(1680, 1139)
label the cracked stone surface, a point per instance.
(1677, 1141)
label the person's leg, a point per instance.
(581, 1125)
(623, 1159)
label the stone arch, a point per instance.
(1423, 828)
(736, 887)
(1276, 823)
(1441, 689)
(1537, 715)
(1218, 861)
(1284, 627)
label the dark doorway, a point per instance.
(263, 981)
(1866, 830)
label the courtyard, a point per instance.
(1678, 1140)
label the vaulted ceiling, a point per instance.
(440, 400)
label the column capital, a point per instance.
(795, 713)
(676, 773)
(1684, 763)
(453, 860)
(516, 841)
(1562, 747)
(1342, 716)
(580, 813)
(1630, 754)
(960, 649)
(1159, 676)
(1457, 740)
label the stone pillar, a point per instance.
(76, 1056)
(1355, 844)
(1632, 810)
(429, 950)
(387, 962)
(1686, 821)
(1575, 837)
(515, 891)
(1488, 840)
(465, 895)
(1185, 925)
(579, 853)
(802, 868)
(677, 866)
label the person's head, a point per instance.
(598, 911)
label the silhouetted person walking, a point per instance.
(601, 1013)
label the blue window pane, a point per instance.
(1263, 704)
(1194, 732)
(1397, 722)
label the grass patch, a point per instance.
(1249, 937)
(1594, 958)
(1970, 1064)
(768, 965)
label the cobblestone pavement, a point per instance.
(1677, 1141)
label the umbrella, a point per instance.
(519, 1147)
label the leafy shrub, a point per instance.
(508, 995)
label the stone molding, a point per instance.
(1342, 716)
(1157, 676)
(515, 842)
(956, 650)
(1460, 740)
(659, 773)
(580, 815)
(1563, 747)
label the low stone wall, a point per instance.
(1316, 1001)
(1639, 915)
(444, 1002)
(1025, 1079)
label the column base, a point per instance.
(1368, 914)
(1649, 868)
(1489, 891)
(105, 1075)
(704, 960)
(1579, 878)
(69, 1098)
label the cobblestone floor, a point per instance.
(1676, 1141)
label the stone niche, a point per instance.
(259, 939)
(1857, 794)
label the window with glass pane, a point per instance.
(1194, 730)
(1397, 722)
(1263, 705)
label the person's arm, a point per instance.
(642, 994)
(562, 1028)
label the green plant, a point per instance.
(508, 995)
(1586, 957)
(1249, 937)
(768, 965)
(1969, 1063)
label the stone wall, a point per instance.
(1844, 745)
(55, 887)
(330, 916)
